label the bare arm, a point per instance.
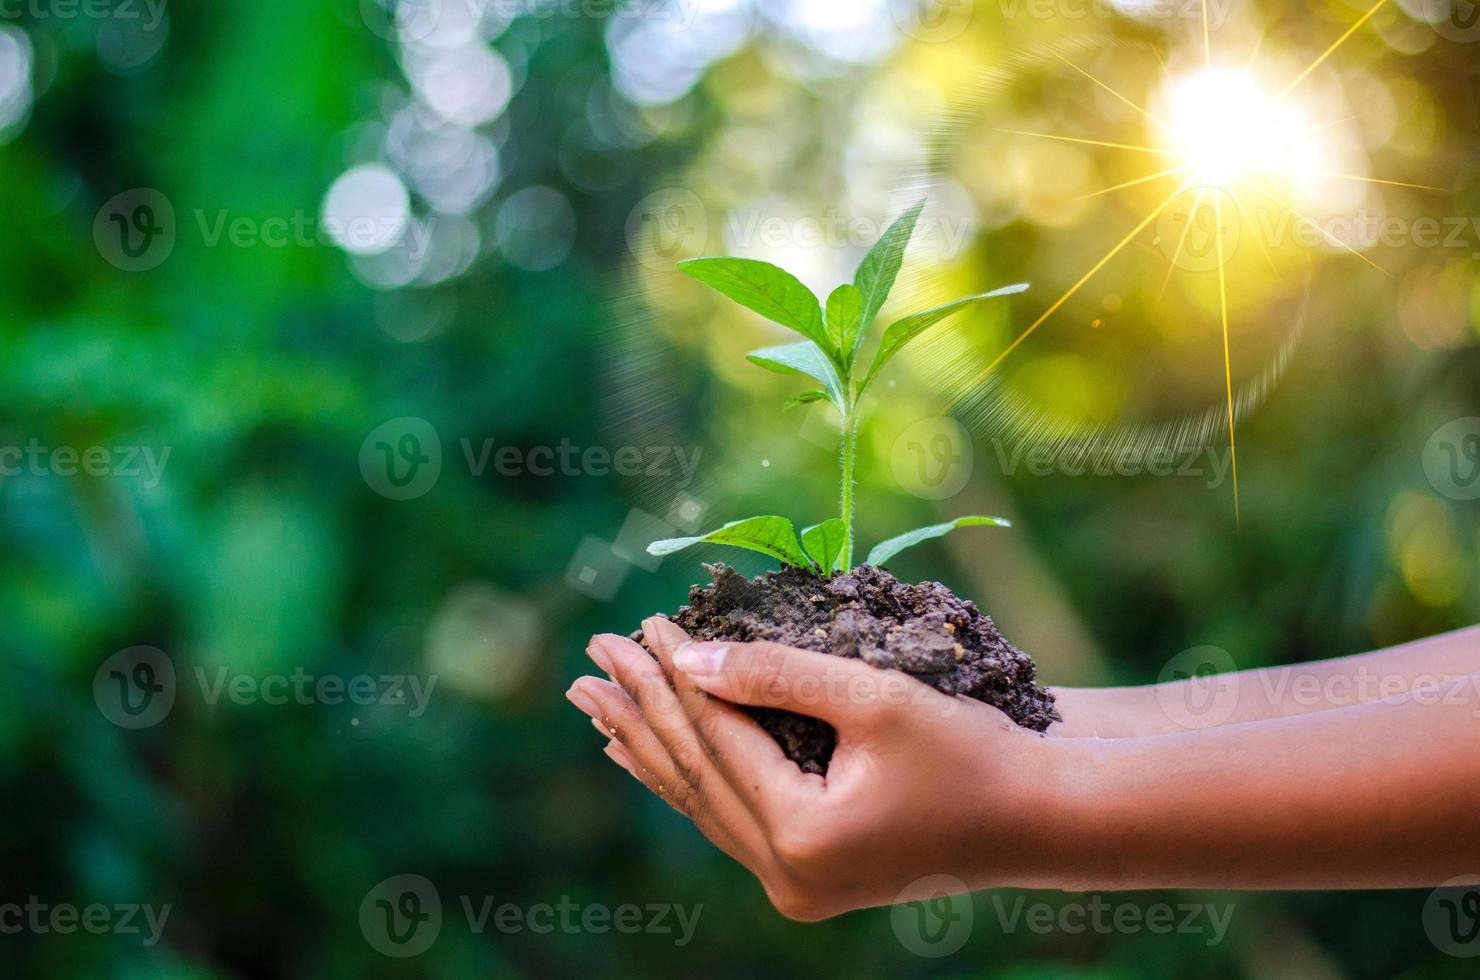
(1269, 693)
(1383, 794)
(1378, 795)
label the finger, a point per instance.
(843, 691)
(642, 677)
(630, 666)
(663, 636)
(746, 756)
(728, 825)
(617, 753)
(618, 718)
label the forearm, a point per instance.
(1268, 693)
(1379, 795)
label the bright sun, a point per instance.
(1222, 130)
(1223, 124)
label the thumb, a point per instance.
(836, 689)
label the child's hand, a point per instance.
(920, 783)
(1374, 794)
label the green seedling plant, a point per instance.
(833, 334)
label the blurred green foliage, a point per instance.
(265, 550)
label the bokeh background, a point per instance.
(324, 261)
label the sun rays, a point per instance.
(1224, 135)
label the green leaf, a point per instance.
(824, 542)
(801, 358)
(844, 318)
(879, 268)
(901, 332)
(886, 550)
(806, 397)
(769, 290)
(774, 536)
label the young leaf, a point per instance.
(879, 268)
(806, 397)
(774, 536)
(886, 550)
(770, 291)
(901, 332)
(824, 542)
(801, 358)
(844, 318)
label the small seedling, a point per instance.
(828, 355)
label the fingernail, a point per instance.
(601, 727)
(583, 701)
(700, 659)
(599, 656)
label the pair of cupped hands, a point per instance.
(920, 783)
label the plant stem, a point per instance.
(850, 450)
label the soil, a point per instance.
(924, 630)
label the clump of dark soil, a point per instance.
(923, 630)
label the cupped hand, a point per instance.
(921, 784)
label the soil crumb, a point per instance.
(924, 630)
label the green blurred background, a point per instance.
(351, 237)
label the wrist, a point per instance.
(1108, 712)
(1069, 842)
